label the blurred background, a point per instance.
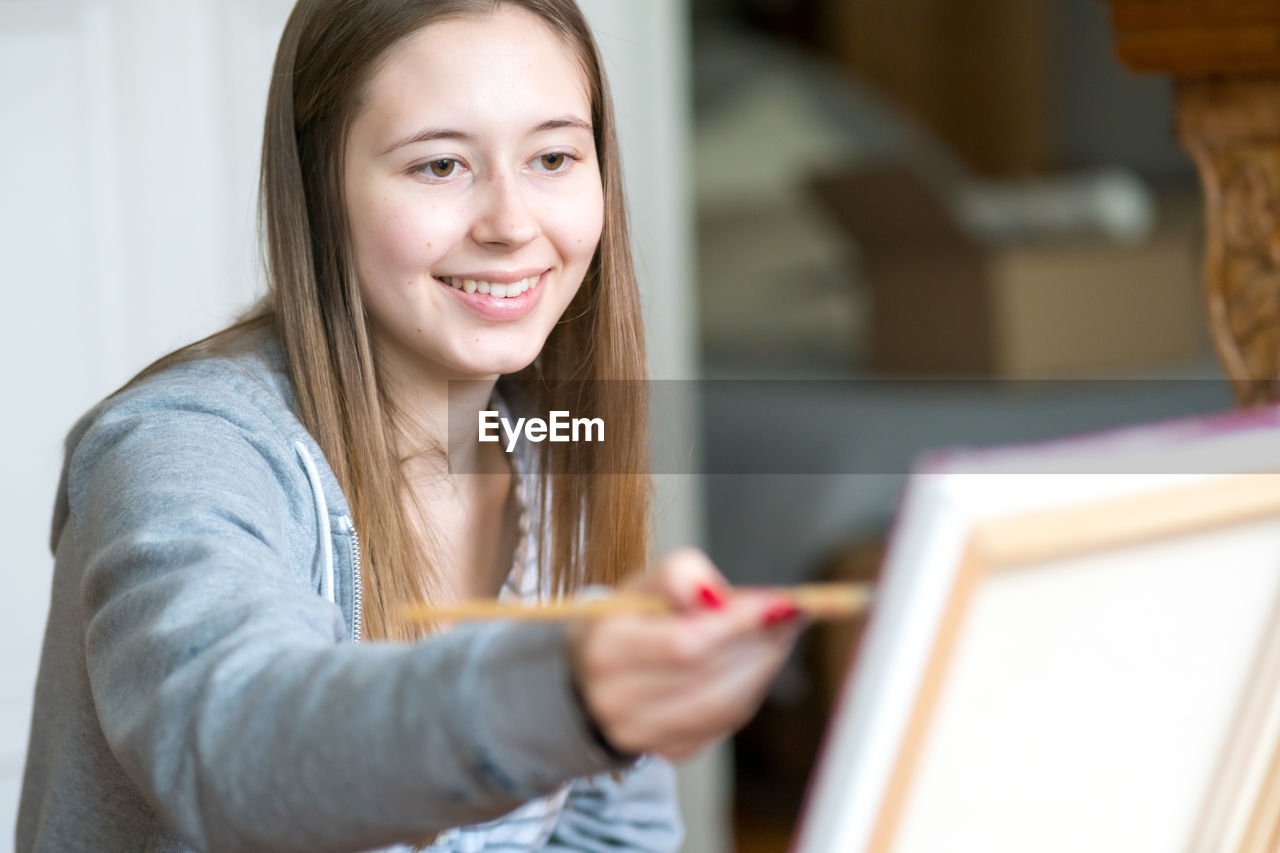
(832, 201)
(886, 190)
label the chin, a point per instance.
(500, 364)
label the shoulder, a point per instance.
(223, 422)
(247, 390)
(249, 385)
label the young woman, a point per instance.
(441, 201)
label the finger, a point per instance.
(702, 714)
(747, 614)
(690, 640)
(636, 657)
(647, 687)
(676, 710)
(746, 664)
(642, 713)
(689, 580)
(622, 643)
(682, 719)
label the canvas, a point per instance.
(1074, 646)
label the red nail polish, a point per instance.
(710, 597)
(779, 613)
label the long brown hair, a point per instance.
(593, 498)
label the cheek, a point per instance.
(400, 240)
(578, 228)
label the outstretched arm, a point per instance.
(223, 684)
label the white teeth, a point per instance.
(495, 289)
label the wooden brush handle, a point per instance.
(825, 601)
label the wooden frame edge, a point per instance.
(1012, 541)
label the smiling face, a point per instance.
(473, 195)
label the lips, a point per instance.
(497, 302)
(499, 290)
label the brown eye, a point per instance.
(554, 161)
(441, 168)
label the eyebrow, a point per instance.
(431, 133)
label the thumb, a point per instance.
(690, 581)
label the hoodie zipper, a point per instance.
(357, 591)
(346, 525)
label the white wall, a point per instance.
(646, 44)
(128, 167)
(647, 49)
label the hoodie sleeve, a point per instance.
(635, 810)
(224, 688)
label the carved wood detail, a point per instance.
(1194, 37)
(1231, 127)
(1225, 57)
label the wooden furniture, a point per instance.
(973, 72)
(1224, 57)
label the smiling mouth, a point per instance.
(492, 288)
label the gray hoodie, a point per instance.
(201, 686)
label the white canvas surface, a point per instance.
(1149, 618)
(1089, 699)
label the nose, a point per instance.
(505, 218)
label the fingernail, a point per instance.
(779, 613)
(710, 597)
